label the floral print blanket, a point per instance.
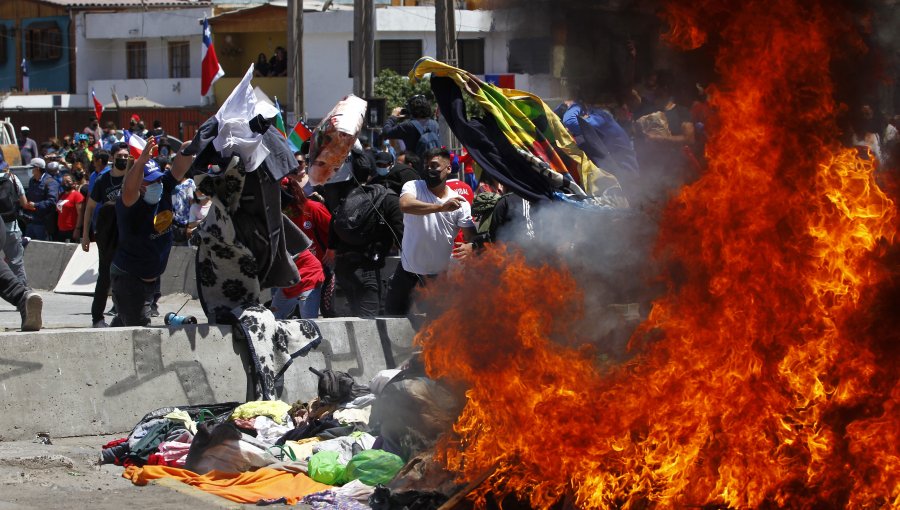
(273, 345)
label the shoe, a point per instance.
(154, 311)
(31, 311)
(100, 324)
(111, 312)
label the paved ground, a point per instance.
(73, 311)
(65, 474)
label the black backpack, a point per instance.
(9, 199)
(356, 219)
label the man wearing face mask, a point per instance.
(100, 213)
(432, 213)
(146, 224)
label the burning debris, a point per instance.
(757, 380)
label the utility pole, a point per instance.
(363, 47)
(445, 33)
(295, 58)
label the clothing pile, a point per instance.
(331, 451)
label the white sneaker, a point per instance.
(31, 312)
(100, 324)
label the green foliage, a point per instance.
(396, 89)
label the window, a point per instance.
(43, 42)
(470, 54)
(179, 59)
(4, 33)
(530, 56)
(136, 60)
(397, 55)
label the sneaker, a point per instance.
(111, 312)
(154, 311)
(31, 311)
(100, 324)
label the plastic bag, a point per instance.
(333, 138)
(373, 467)
(325, 467)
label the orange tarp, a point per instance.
(248, 487)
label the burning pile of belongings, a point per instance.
(351, 446)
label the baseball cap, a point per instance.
(24, 128)
(383, 158)
(151, 171)
(38, 162)
(52, 166)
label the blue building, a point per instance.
(38, 32)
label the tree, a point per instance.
(396, 89)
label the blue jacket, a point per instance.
(44, 192)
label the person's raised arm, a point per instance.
(134, 176)
(182, 163)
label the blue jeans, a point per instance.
(282, 306)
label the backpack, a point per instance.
(356, 219)
(428, 139)
(9, 200)
(483, 210)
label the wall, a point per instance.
(102, 381)
(8, 68)
(52, 75)
(101, 40)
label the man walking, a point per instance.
(12, 199)
(101, 213)
(28, 148)
(432, 213)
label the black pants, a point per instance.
(107, 237)
(400, 288)
(361, 286)
(11, 289)
(132, 297)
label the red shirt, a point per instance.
(313, 219)
(465, 191)
(66, 220)
(311, 274)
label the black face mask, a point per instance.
(121, 163)
(433, 178)
(78, 175)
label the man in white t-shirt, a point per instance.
(432, 215)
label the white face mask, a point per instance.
(154, 193)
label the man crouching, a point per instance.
(145, 223)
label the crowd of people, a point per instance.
(402, 193)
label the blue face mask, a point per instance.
(154, 193)
(382, 170)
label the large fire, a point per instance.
(758, 379)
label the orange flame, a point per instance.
(763, 390)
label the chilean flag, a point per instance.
(210, 70)
(98, 107)
(135, 143)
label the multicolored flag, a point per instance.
(98, 107)
(210, 70)
(299, 134)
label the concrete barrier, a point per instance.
(45, 262)
(180, 277)
(101, 381)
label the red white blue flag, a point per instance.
(135, 143)
(210, 70)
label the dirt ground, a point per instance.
(65, 474)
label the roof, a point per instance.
(128, 3)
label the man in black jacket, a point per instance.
(358, 264)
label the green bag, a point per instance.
(325, 467)
(373, 467)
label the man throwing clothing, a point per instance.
(145, 224)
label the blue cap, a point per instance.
(151, 171)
